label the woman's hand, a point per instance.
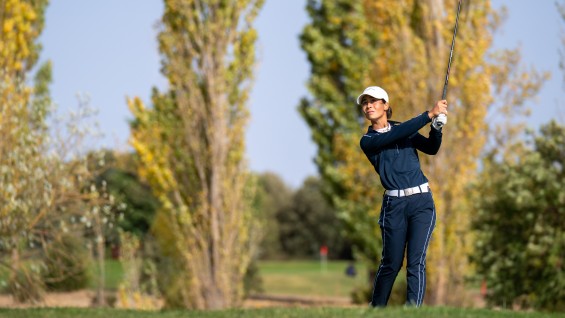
(439, 108)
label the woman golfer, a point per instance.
(407, 216)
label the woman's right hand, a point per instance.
(439, 108)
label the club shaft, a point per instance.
(444, 95)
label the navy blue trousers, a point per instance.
(406, 225)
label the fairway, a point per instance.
(310, 278)
(301, 278)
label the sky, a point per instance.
(107, 49)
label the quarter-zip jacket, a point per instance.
(393, 153)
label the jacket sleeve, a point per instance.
(376, 141)
(428, 145)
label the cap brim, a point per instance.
(359, 98)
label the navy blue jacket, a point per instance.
(394, 155)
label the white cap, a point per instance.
(374, 91)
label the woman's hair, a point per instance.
(388, 112)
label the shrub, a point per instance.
(66, 264)
(26, 286)
(361, 295)
(252, 282)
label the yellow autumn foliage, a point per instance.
(191, 146)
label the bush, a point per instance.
(252, 281)
(362, 295)
(66, 265)
(26, 286)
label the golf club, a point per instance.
(441, 119)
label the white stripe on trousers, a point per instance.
(383, 253)
(421, 290)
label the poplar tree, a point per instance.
(403, 46)
(340, 47)
(191, 151)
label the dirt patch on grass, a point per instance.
(259, 301)
(81, 298)
(84, 298)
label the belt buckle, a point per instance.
(409, 191)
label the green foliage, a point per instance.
(66, 264)
(139, 285)
(309, 222)
(271, 197)
(252, 281)
(41, 104)
(24, 189)
(191, 149)
(26, 285)
(297, 223)
(339, 44)
(46, 185)
(403, 46)
(24, 186)
(520, 243)
(137, 201)
(172, 286)
(362, 294)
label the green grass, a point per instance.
(299, 278)
(439, 312)
(113, 269)
(114, 274)
(279, 277)
(310, 278)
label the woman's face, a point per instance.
(373, 108)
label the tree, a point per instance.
(23, 191)
(403, 46)
(520, 243)
(309, 222)
(47, 188)
(339, 43)
(138, 202)
(191, 150)
(22, 22)
(272, 196)
(523, 234)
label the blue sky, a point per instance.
(108, 49)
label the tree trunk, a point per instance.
(101, 279)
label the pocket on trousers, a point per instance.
(426, 210)
(392, 215)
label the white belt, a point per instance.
(410, 191)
